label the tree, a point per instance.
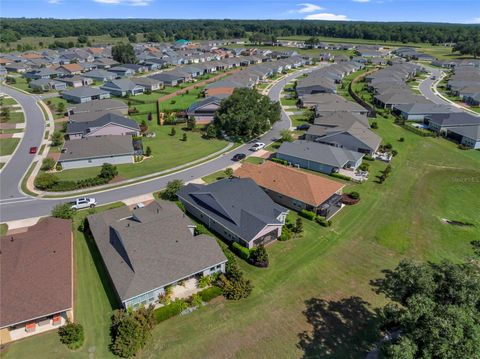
(191, 123)
(131, 330)
(5, 114)
(286, 136)
(298, 226)
(72, 335)
(56, 138)
(259, 256)
(108, 171)
(124, 53)
(468, 48)
(170, 192)
(374, 125)
(143, 126)
(246, 114)
(435, 309)
(234, 285)
(82, 39)
(47, 164)
(184, 137)
(173, 132)
(132, 38)
(148, 151)
(63, 210)
(211, 131)
(228, 172)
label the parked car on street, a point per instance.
(238, 157)
(33, 150)
(257, 146)
(84, 202)
(303, 127)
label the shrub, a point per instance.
(259, 256)
(354, 195)
(196, 300)
(200, 228)
(170, 193)
(307, 214)
(148, 151)
(173, 132)
(241, 251)
(368, 158)
(228, 172)
(211, 131)
(340, 176)
(63, 210)
(286, 234)
(279, 160)
(234, 285)
(184, 137)
(286, 136)
(108, 171)
(374, 125)
(63, 186)
(364, 167)
(191, 123)
(388, 146)
(45, 181)
(401, 139)
(205, 281)
(298, 228)
(47, 164)
(72, 335)
(208, 294)
(394, 153)
(321, 221)
(171, 310)
(56, 138)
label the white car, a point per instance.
(257, 146)
(84, 202)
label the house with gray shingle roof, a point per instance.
(108, 124)
(468, 136)
(85, 94)
(148, 249)
(418, 111)
(237, 209)
(123, 87)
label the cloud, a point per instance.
(361, 0)
(476, 20)
(54, 2)
(124, 2)
(326, 16)
(307, 8)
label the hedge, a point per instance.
(418, 132)
(323, 222)
(307, 214)
(241, 251)
(338, 175)
(368, 158)
(170, 310)
(208, 294)
(279, 160)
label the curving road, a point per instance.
(12, 173)
(28, 207)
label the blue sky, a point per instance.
(458, 11)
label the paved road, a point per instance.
(12, 173)
(36, 207)
(425, 88)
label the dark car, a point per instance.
(239, 157)
(304, 126)
(33, 150)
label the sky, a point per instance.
(453, 11)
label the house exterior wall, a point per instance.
(286, 201)
(310, 165)
(114, 160)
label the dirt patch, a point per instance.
(6, 135)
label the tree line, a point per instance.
(168, 30)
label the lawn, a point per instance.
(3, 228)
(254, 160)
(288, 101)
(167, 152)
(53, 103)
(21, 83)
(216, 176)
(8, 145)
(182, 102)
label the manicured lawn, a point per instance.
(3, 227)
(21, 83)
(182, 102)
(8, 145)
(167, 152)
(288, 101)
(16, 117)
(254, 160)
(53, 102)
(216, 176)
(7, 101)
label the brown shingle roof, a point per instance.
(72, 67)
(308, 188)
(36, 272)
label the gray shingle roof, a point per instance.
(151, 247)
(319, 152)
(81, 127)
(84, 91)
(454, 119)
(101, 146)
(99, 105)
(238, 204)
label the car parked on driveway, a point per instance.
(257, 146)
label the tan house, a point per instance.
(36, 287)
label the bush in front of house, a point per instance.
(279, 160)
(323, 222)
(368, 158)
(259, 256)
(72, 335)
(241, 251)
(170, 192)
(340, 176)
(63, 210)
(209, 293)
(45, 181)
(170, 310)
(47, 164)
(354, 195)
(307, 214)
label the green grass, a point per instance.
(3, 229)
(7, 101)
(53, 103)
(22, 84)
(254, 160)
(8, 145)
(182, 102)
(288, 101)
(11, 131)
(167, 152)
(216, 176)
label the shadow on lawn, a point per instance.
(340, 329)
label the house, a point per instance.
(45, 73)
(47, 85)
(37, 279)
(76, 81)
(18, 67)
(147, 83)
(96, 150)
(108, 124)
(122, 71)
(468, 136)
(295, 189)
(148, 249)
(122, 87)
(439, 123)
(107, 105)
(237, 209)
(100, 75)
(85, 94)
(204, 110)
(319, 157)
(70, 69)
(418, 111)
(168, 79)
(353, 136)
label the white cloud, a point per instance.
(326, 16)
(476, 20)
(307, 8)
(361, 0)
(54, 2)
(125, 2)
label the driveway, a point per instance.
(27, 207)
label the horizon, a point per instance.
(383, 11)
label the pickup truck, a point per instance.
(84, 202)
